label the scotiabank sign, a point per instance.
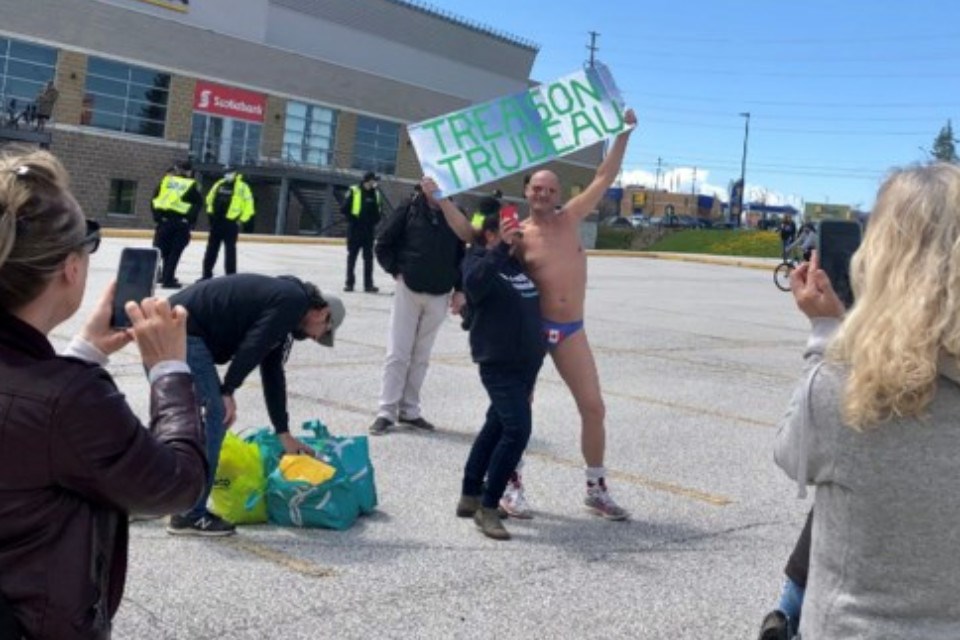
(229, 101)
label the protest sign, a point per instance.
(489, 141)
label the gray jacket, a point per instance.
(885, 560)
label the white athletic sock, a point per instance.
(595, 474)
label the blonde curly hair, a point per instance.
(906, 283)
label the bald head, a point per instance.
(543, 192)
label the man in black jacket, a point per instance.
(246, 320)
(422, 253)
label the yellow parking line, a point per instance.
(643, 481)
(632, 478)
(713, 413)
(279, 558)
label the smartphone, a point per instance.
(510, 212)
(837, 240)
(136, 279)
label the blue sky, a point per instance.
(838, 92)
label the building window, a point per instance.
(24, 70)
(375, 147)
(123, 196)
(225, 140)
(309, 134)
(125, 98)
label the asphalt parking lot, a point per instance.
(697, 362)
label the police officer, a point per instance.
(229, 205)
(363, 207)
(176, 204)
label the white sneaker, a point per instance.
(514, 502)
(601, 503)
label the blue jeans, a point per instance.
(206, 380)
(505, 433)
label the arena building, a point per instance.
(301, 96)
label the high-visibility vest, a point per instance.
(172, 191)
(241, 203)
(357, 194)
(477, 220)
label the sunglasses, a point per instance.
(91, 242)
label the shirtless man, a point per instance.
(556, 262)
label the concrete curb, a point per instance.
(727, 261)
(244, 237)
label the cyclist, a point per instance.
(806, 241)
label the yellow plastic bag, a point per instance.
(240, 483)
(305, 469)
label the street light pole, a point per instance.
(743, 162)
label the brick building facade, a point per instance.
(130, 77)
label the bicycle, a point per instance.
(781, 273)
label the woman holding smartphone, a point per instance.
(873, 425)
(508, 344)
(75, 460)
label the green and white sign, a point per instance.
(489, 141)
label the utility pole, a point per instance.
(590, 65)
(656, 186)
(593, 48)
(693, 194)
(743, 164)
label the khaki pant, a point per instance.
(415, 320)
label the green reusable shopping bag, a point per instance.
(330, 505)
(335, 503)
(239, 485)
(270, 448)
(351, 456)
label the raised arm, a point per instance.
(457, 221)
(586, 201)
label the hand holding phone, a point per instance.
(509, 225)
(160, 331)
(136, 279)
(837, 241)
(97, 330)
(813, 292)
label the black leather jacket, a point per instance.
(74, 460)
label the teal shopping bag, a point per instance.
(351, 456)
(271, 449)
(330, 505)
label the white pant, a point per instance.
(415, 320)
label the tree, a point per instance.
(944, 147)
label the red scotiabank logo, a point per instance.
(229, 101)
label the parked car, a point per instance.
(618, 222)
(639, 221)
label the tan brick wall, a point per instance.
(408, 166)
(346, 133)
(656, 202)
(70, 80)
(180, 109)
(93, 160)
(271, 144)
